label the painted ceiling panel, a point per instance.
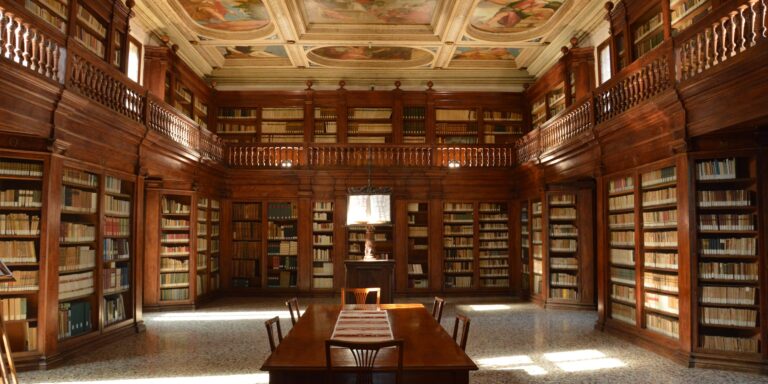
(392, 12)
(227, 15)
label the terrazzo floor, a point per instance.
(225, 342)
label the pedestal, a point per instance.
(370, 274)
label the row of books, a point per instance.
(282, 113)
(246, 250)
(451, 242)
(623, 275)
(494, 245)
(321, 268)
(367, 139)
(487, 227)
(563, 279)
(414, 113)
(458, 253)
(622, 220)
(563, 245)
(563, 230)
(457, 266)
(238, 113)
(729, 343)
(372, 128)
(74, 318)
(661, 281)
(724, 198)
(737, 317)
(660, 197)
(562, 213)
(170, 265)
(75, 285)
(76, 258)
(322, 227)
(283, 127)
(117, 226)
(622, 185)
(325, 113)
(284, 279)
(116, 249)
(115, 279)
(458, 281)
(622, 256)
(74, 176)
(283, 248)
(76, 232)
(175, 207)
(623, 312)
(174, 294)
(664, 260)
(19, 224)
(21, 168)
(664, 325)
(660, 176)
(25, 198)
(113, 185)
(623, 292)
(485, 217)
(502, 116)
(280, 211)
(456, 114)
(728, 295)
(114, 309)
(322, 240)
(665, 303)
(235, 128)
(726, 222)
(25, 281)
(174, 223)
(659, 219)
(77, 200)
(281, 231)
(561, 262)
(728, 246)
(115, 206)
(563, 293)
(566, 199)
(714, 169)
(322, 282)
(246, 230)
(283, 262)
(622, 202)
(321, 254)
(92, 42)
(174, 251)
(455, 128)
(486, 235)
(729, 271)
(14, 308)
(370, 113)
(660, 239)
(173, 278)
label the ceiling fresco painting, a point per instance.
(505, 16)
(391, 12)
(469, 53)
(250, 52)
(227, 15)
(365, 53)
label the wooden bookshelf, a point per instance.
(247, 249)
(563, 248)
(493, 245)
(727, 256)
(456, 126)
(202, 256)
(176, 248)
(525, 249)
(556, 100)
(538, 113)
(200, 112)
(622, 243)
(91, 30)
(369, 125)
(683, 13)
(414, 125)
(418, 245)
(54, 12)
(659, 246)
(502, 127)
(22, 212)
(647, 32)
(78, 247)
(282, 125)
(118, 257)
(458, 245)
(382, 239)
(183, 99)
(537, 250)
(282, 245)
(322, 244)
(214, 247)
(326, 125)
(238, 124)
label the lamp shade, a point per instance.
(368, 208)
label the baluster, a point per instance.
(3, 20)
(715, 45)
(33, 50)
(743, 21)
(16, 57)
(24, 49)
(9, 35)
(686, 61)
(734, 29)
(765, 17)
(753, 32)
(699, 53)
(724, 56)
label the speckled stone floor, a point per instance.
(225, 342)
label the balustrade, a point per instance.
(721, 37)
(574, 122)
(265, 156)
(24, 45)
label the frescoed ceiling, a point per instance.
(457, 44)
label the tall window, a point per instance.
(134, 60)
(604, 61)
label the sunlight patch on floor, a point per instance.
(215, 316)
(590, 365)
(256, 378)
(584, 354)
(568, 361)
(489, 307)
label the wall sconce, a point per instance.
(286, 163)
(454, 164)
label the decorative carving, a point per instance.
(58, 146)
(342, 83)
(309, 83)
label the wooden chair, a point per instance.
(361, 294)
(365, 358)
(464, 331)
(437, 308)
(293, 305)
(270, 333)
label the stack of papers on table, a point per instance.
(362, 326)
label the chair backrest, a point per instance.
(437, 308)
(361, 294)
(293, 305)
(275, 321)
(365, 358)
(464, 331)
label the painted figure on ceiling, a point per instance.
(227, 15)
(370, 11)
(514, 16)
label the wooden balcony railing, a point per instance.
(573, 122)
(24, 45)
(319, 156)
(723, 35)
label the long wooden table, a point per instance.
(429, 352)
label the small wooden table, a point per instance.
(429, 352)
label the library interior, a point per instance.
(485, 191)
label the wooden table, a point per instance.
(429, 353)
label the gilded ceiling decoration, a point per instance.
(500, 38)
(392, 12)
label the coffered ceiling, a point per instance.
(456, 44)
